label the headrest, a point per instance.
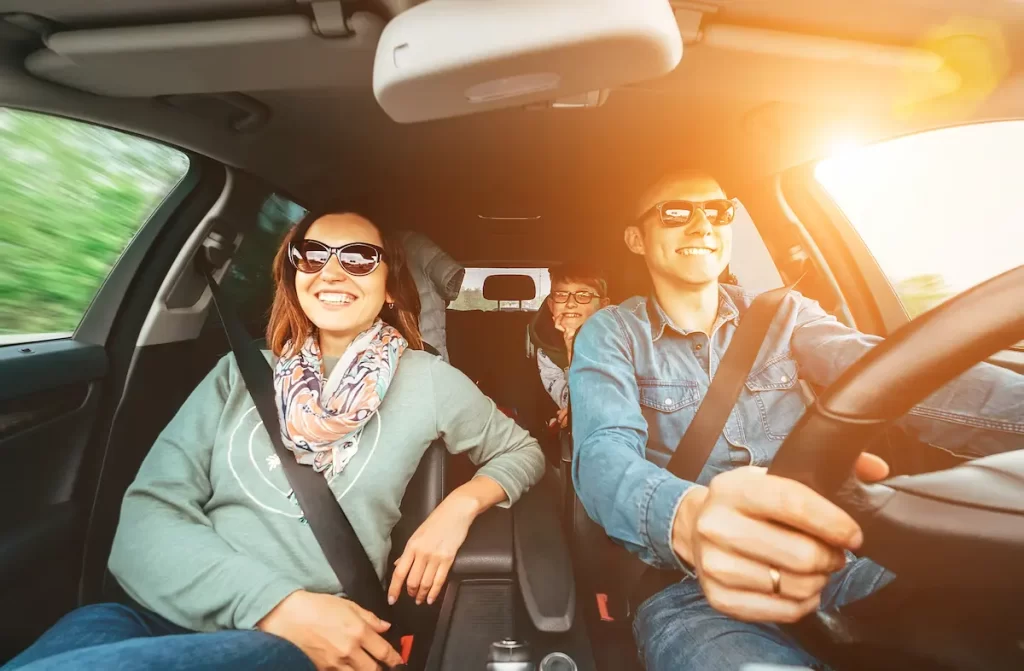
(510, 288)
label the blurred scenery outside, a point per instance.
(72, 196)
(942, 211)
(471, 297)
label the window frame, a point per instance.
(872, 300)
(857, 271)
(97, 320)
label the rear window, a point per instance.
(471, 296)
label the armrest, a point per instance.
(488, 547)
(543, 563)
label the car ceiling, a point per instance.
(737, 114)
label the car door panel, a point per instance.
(96, 261)
(48, 406)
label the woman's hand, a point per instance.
(430, 552)
(333, 632)
(747, 523)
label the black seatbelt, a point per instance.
(700, 436)
(327, 520)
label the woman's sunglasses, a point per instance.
(356, 258)
(581, 297)
(674, 213)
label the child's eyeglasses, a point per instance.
(581, 297)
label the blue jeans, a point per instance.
(114, 636)
(678, 630)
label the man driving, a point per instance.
(740, 550)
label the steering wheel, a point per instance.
(958, 531)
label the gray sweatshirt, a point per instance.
(208, 537)
(554, 378)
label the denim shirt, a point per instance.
(637, 380)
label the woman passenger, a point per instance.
(211, 544)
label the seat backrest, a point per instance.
(428, 487)
(424, 493)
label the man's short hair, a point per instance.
(582, 273)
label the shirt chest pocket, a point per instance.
(668, 406)
(777, 396)
(668, 396)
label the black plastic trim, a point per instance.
(488, 548)
(30, 539)
(25, 412)
(543, 563)
(32, 368)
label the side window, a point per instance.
(72, 196)
(471, 296)
(250, 279)
(941, 211)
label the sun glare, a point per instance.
(842, 147)
(942, 208)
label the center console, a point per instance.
(510, 604)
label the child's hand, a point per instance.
(568, 326)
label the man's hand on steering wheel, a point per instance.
(763, 546)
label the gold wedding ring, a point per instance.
(776, 579)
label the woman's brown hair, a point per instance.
(289, 326)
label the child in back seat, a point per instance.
(577, 292)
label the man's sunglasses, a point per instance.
(581, 297)
(674, 213)
(356, 258)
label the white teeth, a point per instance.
(698, 251)
(335, 299)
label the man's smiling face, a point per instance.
(693, 254)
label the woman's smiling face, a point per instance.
(341, 305)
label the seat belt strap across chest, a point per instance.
(700, 436)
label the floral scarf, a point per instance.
(321, 420)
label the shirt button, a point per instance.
(669, 401)
(784, 379)
(699, 347)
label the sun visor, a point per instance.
(447, 58)
(252, 54)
